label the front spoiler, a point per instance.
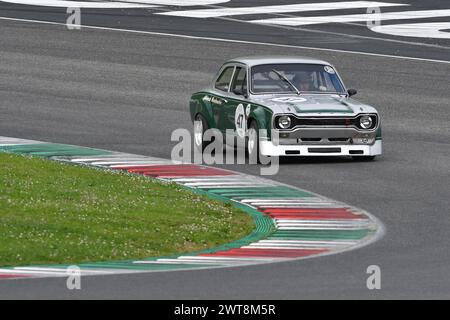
(268, 148)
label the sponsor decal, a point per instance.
(217, 101)
(329, 70)
(289, 99)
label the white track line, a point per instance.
(269, 204)
(115, 158)
(115, 4)
(227, 182)
(169, 178)
(344, 222)
(52, 273)
(292, 247)
(7, 141)
(229, 185)
(180, 3)
(318, 228)
(27, 272)
(303, 21)
(294, 205)
(229, 258)
(137, 165)
(106, 158)
(81, 4)
(125, 163)
(424, 30)
(216, 260)
(176, 261)
(280, 201)
(303, 7)
(206, 179)
(301, 226)
(307, 243)
(209, 262)
(61, 270)
(256, 43)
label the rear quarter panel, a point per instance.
(200, 103)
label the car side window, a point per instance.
(240, 81)
(224, 80)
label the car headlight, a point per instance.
(284, 122)
(366, 122)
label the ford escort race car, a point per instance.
(286, 106)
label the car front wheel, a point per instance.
(253, 151)
(363, 158)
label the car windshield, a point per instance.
(306, 78)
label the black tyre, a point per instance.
(363, 158)
(252, 145)
(200, 126)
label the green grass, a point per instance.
(60, 213)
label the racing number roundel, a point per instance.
(240, 121)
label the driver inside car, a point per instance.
(303, 82)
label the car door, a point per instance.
(235, 118)
(220, 96)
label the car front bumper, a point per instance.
(268, 148)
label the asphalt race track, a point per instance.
(128, 91)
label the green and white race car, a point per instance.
(286, 106)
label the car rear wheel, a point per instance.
(200, 126)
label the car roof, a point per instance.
(258, 60)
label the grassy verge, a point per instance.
(60, 213)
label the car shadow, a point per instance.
(297, 160)
(314, 160)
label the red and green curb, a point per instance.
(290, 223)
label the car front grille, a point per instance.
(316, 141)
(338, 122)
(327, 122)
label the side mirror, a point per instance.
(351, 92)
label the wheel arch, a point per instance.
(262, 116)
(199, 105)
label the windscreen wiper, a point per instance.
(282, 77)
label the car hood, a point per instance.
(322, 104)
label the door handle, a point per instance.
(219, 101)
